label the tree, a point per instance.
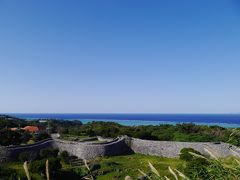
(48, 152)
(64, 156)
(39, 166)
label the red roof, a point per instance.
(32, 129)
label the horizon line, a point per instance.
(224, 113)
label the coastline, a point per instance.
(223, 120)
(155, 123)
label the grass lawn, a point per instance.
(118, 167)
(69, 137)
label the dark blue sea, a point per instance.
(224, 120)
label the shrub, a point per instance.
(40, 136)
(48, 152)
(196, 167)
(7, 173)
(94, 167)
(54, 165)
(80, 171)
(24, 156)
(64, 156)
(39, 166)
(25, 137)
(185, 155)
(8, 137)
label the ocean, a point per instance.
(224, 120)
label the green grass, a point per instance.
(69, 137)
(118, 167)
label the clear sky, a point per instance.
(116, 56)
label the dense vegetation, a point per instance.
(59, 166)
(8, 137)
(179, 132)
(199, 166)
(8, 121)
(191, 165)
(117, 167)
(63, 166)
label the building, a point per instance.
(31, 129)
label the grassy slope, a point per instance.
(120, 166)
(117, 167)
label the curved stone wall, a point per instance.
(89, 150)
(119, 146)
(83, 150)
(11, 152)
(172, 149)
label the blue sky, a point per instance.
(116, 56)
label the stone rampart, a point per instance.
(9, 153)
(172, 148)
(90, 150)
(119, 146)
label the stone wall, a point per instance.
(10, 153)
(83, 150)
(172, 148)
(119, 146)
(90, 150)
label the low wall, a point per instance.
(10, 153)
(172, 148)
